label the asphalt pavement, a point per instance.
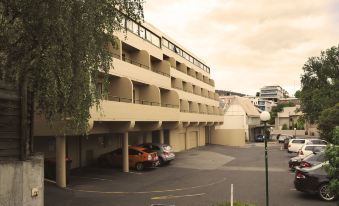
(199, 177)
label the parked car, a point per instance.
(317, 141)
(307, 160)
(313, 160)
(138, 157)
(314, 180)
(308, 149)
(287, 140)
(164, 151)
(295, 144)
(282, 138)
(259, 138)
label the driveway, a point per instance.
(197, 177)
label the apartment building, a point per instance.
(273, 93)
(158, 92)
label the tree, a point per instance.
(257, 94)
(276, 109)
(320, 83)
(328, 120)
(297, 94)
(60, 48)
(332, 154)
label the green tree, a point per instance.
(60, 47)
(279, 108)
(328, 120)
(320, 83)
(297, 94)
(332, 154)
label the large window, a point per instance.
(141, 32)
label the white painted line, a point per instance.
(176, 196)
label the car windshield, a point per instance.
(298, 141)
(148, 151)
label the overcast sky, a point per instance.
(250, 43)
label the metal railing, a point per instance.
(120, 99)
(134, 62)
(146, 102)
(169, 105)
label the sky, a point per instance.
(249, 44)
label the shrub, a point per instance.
(284, 127)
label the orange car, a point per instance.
(138, 157)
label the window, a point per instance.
(155, 40)
(123, 22)
(142, 32)
(135, 28)
(298, 141)
(165, 43)
(148, 36)
(171, 46)
(129, 24)
(133, 152)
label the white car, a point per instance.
(308, 149)
(295, 144)
(317, 142)
(282, 138)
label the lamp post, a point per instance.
(264, 117)
(295, 132)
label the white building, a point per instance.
(241, 118)
(273, 93)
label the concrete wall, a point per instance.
(229, 137)
(186, 138)
(289, 132)
(18, 178)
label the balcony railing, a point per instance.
(160, 72)
(146, 102)
(169, 105)
(119, 99)
(134, 62)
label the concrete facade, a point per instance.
(22, 182)
(158, 92)
(240, 119)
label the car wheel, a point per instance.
(325, 193)
(139, 166)
(161, 161)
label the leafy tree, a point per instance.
(328, 120)
(320, 83)
(297, 94)
(257, 94)
(284, 127)
(60, 48)
(332, 154)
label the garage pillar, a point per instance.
(125, 164)
(61, 161)
(161, 135)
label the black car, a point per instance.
(259, 138)
(314, 180)
(308, 161)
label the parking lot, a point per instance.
(197, 177)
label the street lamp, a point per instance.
(295, 132)
(264, 117)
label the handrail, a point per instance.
(124, 58)
(146, 102)
(170, 105)
(119, 99)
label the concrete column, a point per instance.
(161, 136)
(61, 161)
(125, 163)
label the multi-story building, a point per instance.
(158, 92)
(273, 93)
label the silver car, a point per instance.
(164, 151)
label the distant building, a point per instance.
(261, 104)
(289, 116)
(241, 118)
(294, 100)
(273, 93)
(229, 93)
